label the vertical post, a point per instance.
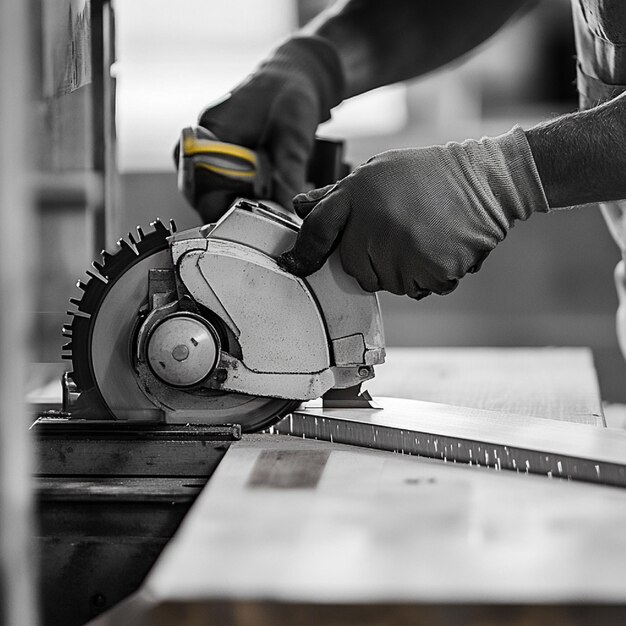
(97, 206)
(17, 249)
(111, 174)
(106, 211)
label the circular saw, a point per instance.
(203, 326)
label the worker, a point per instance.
(414, 221)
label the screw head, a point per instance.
(180, 352)
(221, 375)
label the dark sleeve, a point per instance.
(381, 42)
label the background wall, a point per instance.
(549, 283)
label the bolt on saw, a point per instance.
(203, 326)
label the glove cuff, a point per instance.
(518, 180)
(317, 60)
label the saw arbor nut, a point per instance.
(183, 350)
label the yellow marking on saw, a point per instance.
(224, 171)
(193, 146)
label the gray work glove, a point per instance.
(276, 110)
(415, 221)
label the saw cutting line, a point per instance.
(473, 436)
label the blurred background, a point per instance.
(549, 283)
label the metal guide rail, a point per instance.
(502, 441)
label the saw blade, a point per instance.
(102, 330)
(478, 437)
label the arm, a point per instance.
(415, 221)
(581, 157)
(384, 42)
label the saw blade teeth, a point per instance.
(79, 311)
(66, 357)
(80, 339)
(106, 271)
(67, 347)
(106, 257)
(97, 276)
(159, 226)
(124, 245)
(98, 267)
(115, 264)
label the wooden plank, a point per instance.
(73, 447)
(378, 528)
(356, 535)
(263, 613)
(557, 383)
(118, 489)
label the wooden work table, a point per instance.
(558, 384)
(296, 531)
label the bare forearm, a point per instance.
(380, 43)
(581, 157)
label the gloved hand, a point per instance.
(415, 221)
(277, 110)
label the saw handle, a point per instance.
(207, 165)
(326, 165)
